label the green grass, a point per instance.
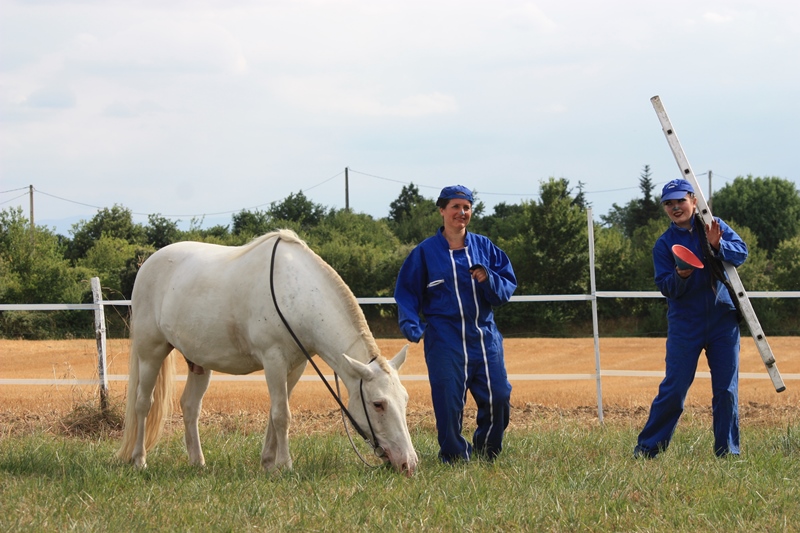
(553, 476)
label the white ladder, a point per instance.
(744, 305)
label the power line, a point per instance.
(488, 192)
(14, 190)
(228, 212)
(16, 197)
(147, 214)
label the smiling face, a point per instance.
(456, 214)
(681, 210)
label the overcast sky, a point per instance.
(188, 108)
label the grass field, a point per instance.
(561, 470)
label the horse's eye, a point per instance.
(378, 406)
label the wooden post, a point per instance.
(347, 188)
(100, 336)
(33, 224)
(710, 193)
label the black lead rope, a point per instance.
(379, 451)
(715, 264)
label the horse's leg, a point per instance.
(271, 442)
(191, 404)
(148, 372)
(275, 454)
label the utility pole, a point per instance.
(347, 188)
(709, 189)
(33, 225)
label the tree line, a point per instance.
(546, 240)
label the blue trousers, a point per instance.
(683, 353)
(489, 386)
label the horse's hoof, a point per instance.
(275, 469)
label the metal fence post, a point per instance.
(595, 325)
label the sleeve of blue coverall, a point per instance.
(667, 279)
(501, 281)
(408, 294)
(732, 249)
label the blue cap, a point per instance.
(454, 192)
(676, 189)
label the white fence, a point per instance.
(98, 306)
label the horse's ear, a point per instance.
(398, 360)
(358, 367)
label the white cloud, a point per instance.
(717, 18)
(131, 109)
(180, 44)
(52, 97)
(333, 94)
(253, 99)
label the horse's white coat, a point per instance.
(213, 304)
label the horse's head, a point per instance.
(384, 402)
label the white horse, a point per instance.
(214, 304)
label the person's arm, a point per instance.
(671, 282)
(500, 282)
(726, 243)
(408, 293)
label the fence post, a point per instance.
(595, 326)
(100, 336)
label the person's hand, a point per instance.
(684, 272)
(714, 234)
(479, 274)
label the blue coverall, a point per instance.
(463, 348)
(701, 315)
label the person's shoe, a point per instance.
(640, 452)
(725, 453)
(485, 454)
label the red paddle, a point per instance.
(684, 257)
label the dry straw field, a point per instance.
(625, 399)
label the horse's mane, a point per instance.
(344, 291)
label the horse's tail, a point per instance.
(160, 410)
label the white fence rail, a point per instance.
(98, 306)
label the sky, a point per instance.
(200, 109)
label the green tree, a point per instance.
(107, 259)
(217, 234)
(36, 272)
(637, 212)
(364, 252)
(116, 222)
(580, 197)
(422, 221)
(402, 207)
(506, 221)
(550, 257)
(251, 223)
(755, 272)
(161, 231)
(786, 277)
(127, 274)
(297, 208)
(769, 206)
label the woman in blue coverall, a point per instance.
(701, 315)
(453, 279)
